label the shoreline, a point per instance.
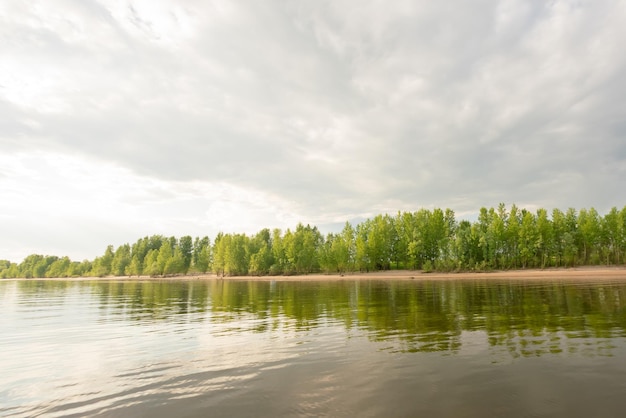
(591, 273)
(578, 273)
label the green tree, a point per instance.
(340, 249)
(621, 244)
(423, 239)
(558, 236)
(544, 243)
(528, 238)
(151, 265)
(7, 269)
(58, 268)
(260, 248)
(362, 259)
(464, 249)
(165, 254)
(301, 249)
(589, 224)
(201, 259)
(327, 258)
(78, 269)
(121, 260)
(379, 239)
(572, 239)
(102, 265)
(236, 256)
(513, 227)
(176, 263)
(186, 251)
(261, 261)
(135, 268)
(219, 253)
(404, 225)
(279, 255)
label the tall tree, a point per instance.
(589, 224)
(58, 268)
(236, 255)
(185, 244)
(260, 248)
(528, 238)
(201, 259)
(102, 265)
(219, 253)
(558, 233)
(151, 265)
(544, 243)
(165, 254)
(512, 236)
(121, 260)
(572, 239)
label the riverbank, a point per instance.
(576, 273)
(617, 273)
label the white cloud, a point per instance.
(66, 205)
(240, 115)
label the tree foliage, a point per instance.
(426, 239)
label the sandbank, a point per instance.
(593, 273)
(578, 273)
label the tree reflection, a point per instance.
(522, 318)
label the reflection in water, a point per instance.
(528, 318)
(134, 348)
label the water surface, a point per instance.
(466, 348)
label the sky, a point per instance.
(121, 119)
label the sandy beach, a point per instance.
(577, 273)
(617, 273)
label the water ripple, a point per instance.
(310, 349)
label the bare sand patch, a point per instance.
(577, 273)
(581, 273)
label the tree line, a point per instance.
(431, 240)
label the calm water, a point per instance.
(295, 349)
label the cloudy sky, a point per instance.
(120, 119)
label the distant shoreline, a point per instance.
(578, 273)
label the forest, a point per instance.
(429, 240)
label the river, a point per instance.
(337, 348)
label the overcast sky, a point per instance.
(121, 119)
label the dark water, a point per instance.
(296, 349)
